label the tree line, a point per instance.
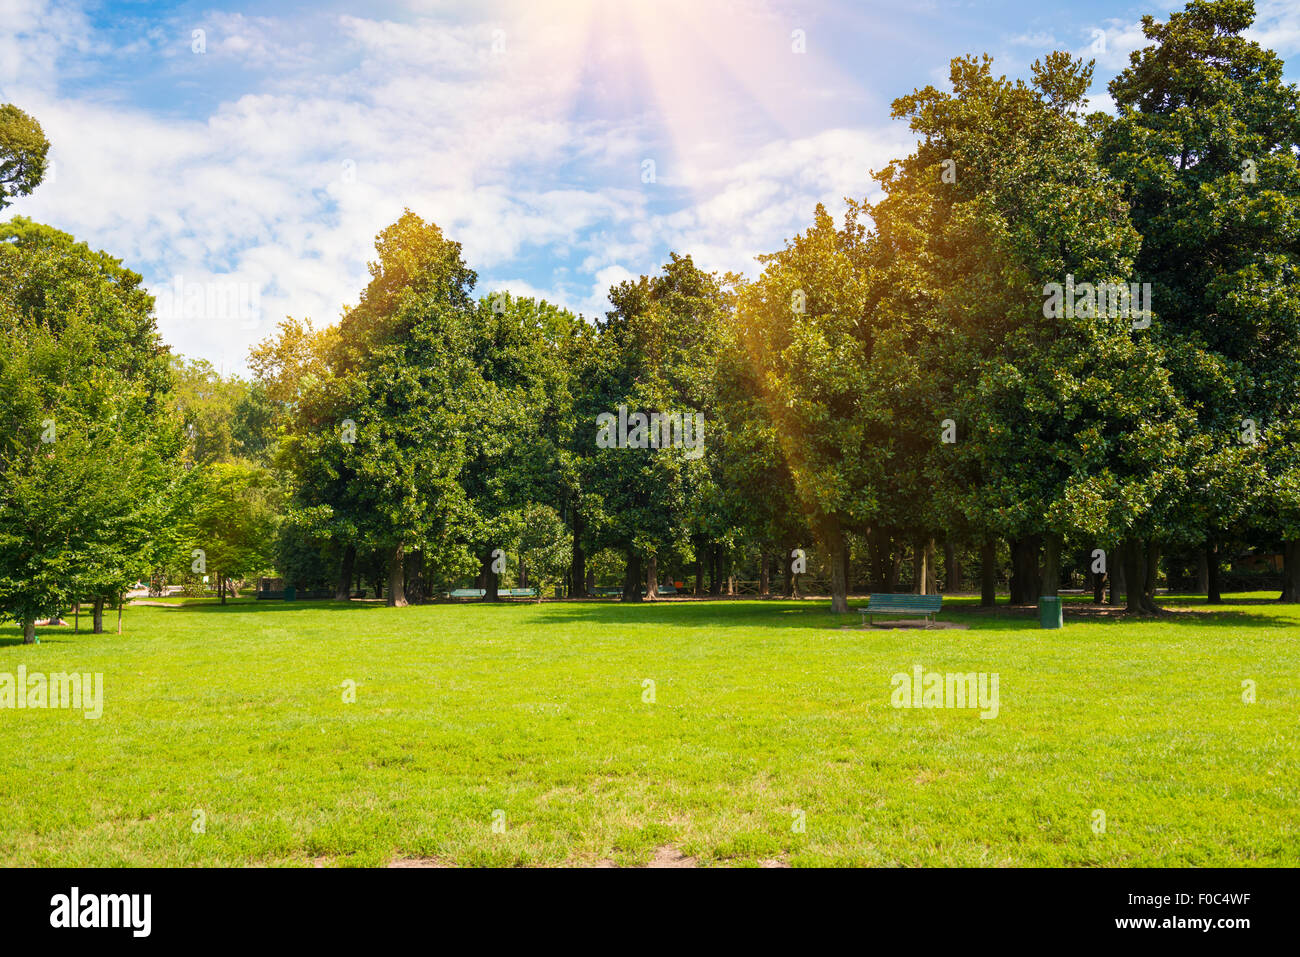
(943, 369)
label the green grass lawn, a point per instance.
(761, 710)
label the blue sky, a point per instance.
(261, 147)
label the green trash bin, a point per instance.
(290, 593)
(1049, 612)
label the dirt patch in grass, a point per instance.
(669, 856)
(413, 862)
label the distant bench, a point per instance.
(617, 592)
(502, 593)
(917, 606)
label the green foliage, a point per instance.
(1205, 142)
(23, 150)
(88, 443)
(545, 546)
(656, 352)
(234, 521)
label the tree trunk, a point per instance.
(1213, 594)
(344, 590)
(1291, 571)
(1151, 572)
(699, 575)
(578, 564)
(787, 571)
(632, 579)
(931, 568)
(919, 575)
(97, 618)
(1033, 573)
(764, 575)
(988, 573)
(1025, 583)
(652, 578)
(1017, 578)
(715, 570)
(1202, 573)
(1133, 573)
(833, 537)
(221, 588)
(1115, 572)
(1098, 587)
(413, 577)
(29, 638)
(76, 618)
(121, 600)
(1051, 565)
(491, 580)
(1150, 566)
(397, 577)
(848, 568)
(895, 565)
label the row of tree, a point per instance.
(890, 381)
(892, 378)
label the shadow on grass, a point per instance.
(211, 607)
(812, 613)
(816, 613)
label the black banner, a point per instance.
(945, 908)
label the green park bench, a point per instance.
(923, 606)
(502, 593)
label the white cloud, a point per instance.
(1277, 26)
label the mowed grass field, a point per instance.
(761, 710)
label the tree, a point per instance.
(1205, 142)
(23, 150)
(1064, 420)
(234, 524)
(378, 444)
(545, 546)
(834, 373)
(517, 457)
(642, 471)
(88, 454)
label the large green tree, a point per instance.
(644, 483)
(1205, 141)
(380, 439)
(89, 446)
(1064, 420)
